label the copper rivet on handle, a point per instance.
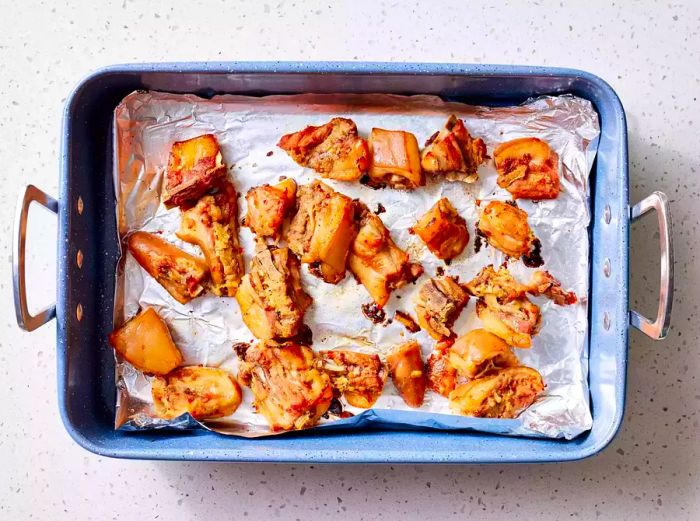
(79, 312)
(607, 214)
(606, 321)
(606, 268)
(80, 205)
(79, 259)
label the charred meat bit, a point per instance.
(395, 160)
(407, 321)
(334, 150)
(212, 224)
(407, 371)
(323, 229)
(443, 230)
(373, 312)
(181, 274)
(376, 261)
(528, 169)
(439, 302)
(454, 153)
(504, 394)
(194, 167)
(289, 388)
(534, 259)
(268, 206)
(359, 377)
(271, 298)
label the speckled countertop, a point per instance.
(649, 52)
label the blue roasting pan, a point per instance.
(85, 208)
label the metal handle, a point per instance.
(659, 327)
(26, 320)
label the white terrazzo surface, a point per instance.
(650, 53)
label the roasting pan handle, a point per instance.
(658, 328)
(26, 320)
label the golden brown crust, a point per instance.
(515, 321)
(454, 153)
(439, 302)
(479, 353)
(181, 274)
(204, 392)
(527, 168)
(407, 371)
(359, 376)
(506, 228)
(334, 150)
(271, 298)
(322, 230)
(267, 207)
(145, 342)
(289, 388)
(395, 160)
(376, 261)
(212, 224)
(443, 230)
(504, 394)
(195, 166)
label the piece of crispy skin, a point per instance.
(195, 166)
(454, 153)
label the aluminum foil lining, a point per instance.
(248, 128)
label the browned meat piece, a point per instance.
(515, 321)
(194, 167)
(527, 168)
(289, 388)
(408, 373)
(204, 392)
(270, 296)
(542, 283)
(395, 160)
(443, 230)
(439, 302)
(212, 224)
(268, 206)
(502, 395)
(479, 353)
(334, 150)
(506, 228)
(322, 230)
(359, 376)
(376, 261)
(441, 376)
(501, 284)
(181, 274)
(454, 153)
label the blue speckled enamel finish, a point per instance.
(85, 363)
